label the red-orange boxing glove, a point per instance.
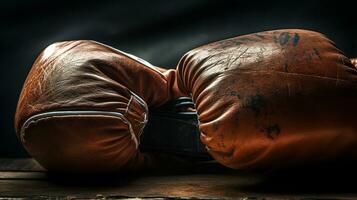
(273, 99)
(84, 106)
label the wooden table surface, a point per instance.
(25, 179)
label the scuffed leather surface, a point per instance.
(273, 99)
(89, 76)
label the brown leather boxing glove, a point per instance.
(273, 99)
(84, 105)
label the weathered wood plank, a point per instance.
(213, 186)
(202, 181)
(202, 186)
(19, 175)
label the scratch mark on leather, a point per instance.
(317, 53)
(295, 74)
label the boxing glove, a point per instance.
(84, 106)
(273, 99)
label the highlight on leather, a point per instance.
(354, 62)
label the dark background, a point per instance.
(158, 31)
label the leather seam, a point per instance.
(50, 114)
(136, 59)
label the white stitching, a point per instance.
(34, 118)
(142, 102)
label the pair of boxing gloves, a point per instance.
(267, 100)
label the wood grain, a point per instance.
(206, 181)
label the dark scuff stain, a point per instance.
(235, 94)
(284, 38)
(296, 39)
(286, 67)
(317, 53)
(255, 103)
(272, 131)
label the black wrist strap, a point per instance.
(174, 132)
